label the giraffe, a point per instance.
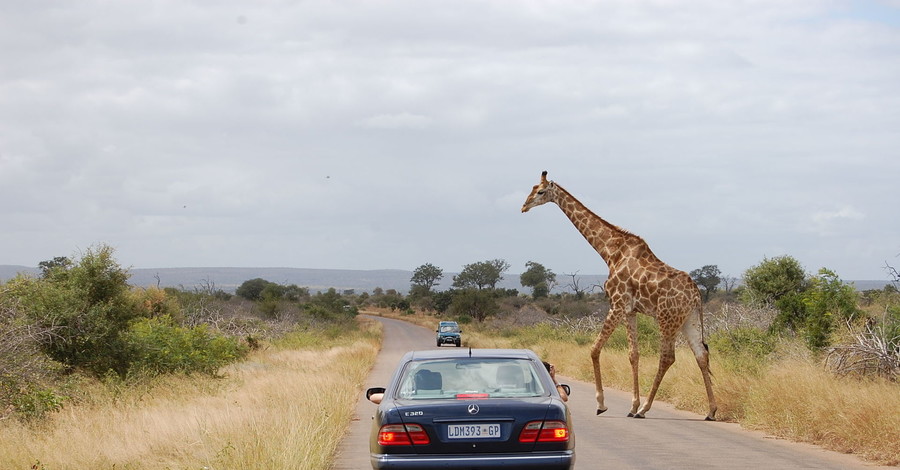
(638, 282)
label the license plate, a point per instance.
(473, 431)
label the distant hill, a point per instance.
(9, 271)
(228, 279)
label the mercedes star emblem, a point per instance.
(473, 409)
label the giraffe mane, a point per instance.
(621, 231)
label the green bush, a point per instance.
(476, 303)
(647, 336)
(743, 349)
(158, 346)
(828, 301)
(35, 403)
(87, 304)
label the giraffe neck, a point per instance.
(607, 239)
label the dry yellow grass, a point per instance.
(795, 398)
(280, 409)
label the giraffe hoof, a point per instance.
(709, 419)
(631, 415)
(639, 416)
(599, 411)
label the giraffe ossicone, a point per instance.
(638, 282)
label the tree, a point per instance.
(484, 274)
(729, 283)
(773, 279)
(576, 287)
(828, 299)
(59, 262)
(252, 289)
(894, 274)
(441, 301)
(330, 300)
(708, 278)
(475, 303)
(424, 278)
(539, 278)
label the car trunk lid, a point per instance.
(475, 425)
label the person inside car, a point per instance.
(559, 388)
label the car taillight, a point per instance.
(402, 435)
(544, 431)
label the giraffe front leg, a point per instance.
(598, 379)
(634, 358)
(609, 325)
(666, 359)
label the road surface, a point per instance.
(666, 439)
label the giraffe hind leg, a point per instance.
(691, 330)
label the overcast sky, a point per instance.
(390, 134)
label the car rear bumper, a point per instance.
(561, 460)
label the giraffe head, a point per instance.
(542, 193)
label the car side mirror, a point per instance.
(379, 391)
(567, 388)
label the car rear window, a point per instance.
(470, 378)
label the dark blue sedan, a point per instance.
(471, 409)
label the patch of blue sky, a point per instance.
(876, 11)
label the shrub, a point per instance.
(773, 279)
(87, 305)
(744, 348)
(647, 336)
(24, 369)
(152, 302)
(158, 345)
(584, 330)
(35, 403)
(252, 289)
(827, 300)
(476, 303)
(873, 350)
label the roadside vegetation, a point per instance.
(96, 373)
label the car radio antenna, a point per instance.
(470, 351)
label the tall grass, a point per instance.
(282, 408)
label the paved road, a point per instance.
(666, 439)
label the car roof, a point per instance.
(448, 323)
(470, 352)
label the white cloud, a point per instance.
(397, 121)
(285, 127)
(828, 222)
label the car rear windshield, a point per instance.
(470, 378)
